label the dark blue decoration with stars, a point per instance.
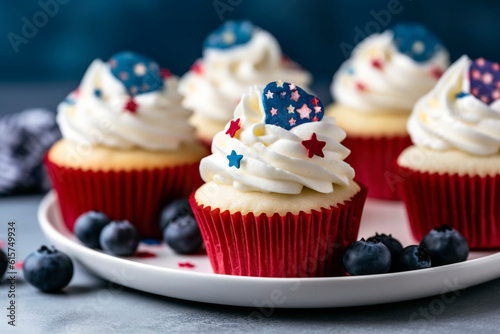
(139, 74)
(229, 34)
(287, 105)
(416, 41)
(484, 76)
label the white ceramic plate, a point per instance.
(165, 275)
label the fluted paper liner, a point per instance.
(301, 245)
(469, 204)
(373, 160)
(138, 196)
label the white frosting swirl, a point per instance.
(227, 73)
(274, 160)
(159, 123)
(442, 121)
(395, 87)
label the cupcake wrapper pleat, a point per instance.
(466, 203)
(373, 160)
(300, 245)
(138, 196)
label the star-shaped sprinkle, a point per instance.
(377, 63)
(186, 265)
(98, 92)
(269, 94)
(315, 118)
(314, 146)
(436, 72)
(283, 95)
(274, 111)
(131, 106)
(290, 109)
(165, 73)
(292, 86)
(292, 121)
(279, 83)
(360, 86)
(197, 68)
(315, 101)
(233, 127)
(234, 159)
(461, 95)
(295, 95)
(317, 110)
(304, 111)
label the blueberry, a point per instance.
(412, 258)
(48, 269)
(176, 209)
(445, 245)
(183, 235)
(3, 263)
(88, 227)
(367, 258)
(393, 244)
(119, 238)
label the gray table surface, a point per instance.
(85, 307)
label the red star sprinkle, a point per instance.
(315, 101)
(233, 127)
(377, 63)
(315, 119)
(77, 91)
(197, 68)
(295, 95)
(292, 121)
(436, 72)
(360, 86)
(131, 106)
(314, 146)
(165, 73)
(145, 255)
(186, 265)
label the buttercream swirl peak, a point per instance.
(254, 154)
(105, 110)
(462, 111)
(390, 71)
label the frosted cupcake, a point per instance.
(375, 90)
(235, 56)
(127, 146)
(451, 175)
(279, 200)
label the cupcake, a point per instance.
(374, 92)
(279, 200)
(451, 173)
(235, 56)
(127, 146)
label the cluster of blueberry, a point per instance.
(383, 253)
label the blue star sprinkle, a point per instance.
(139, 74)
(461, 94)
(229, 34)
(484, 76)
(416, 41)
(234, 159)
(287, 105)
(98, 92)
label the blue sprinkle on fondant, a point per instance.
(98, 93)
(69, 100)
(416, 41)
(139, 74)
(151, 242)
(229, 34)
(461, 94)
(287, 105)
(349, 70)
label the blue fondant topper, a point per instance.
(139, 74)
(287, 105)
(416, 41)
(484, 76)
(229, 34)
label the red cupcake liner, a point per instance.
(301, 245)
(468, 204)
(373, 160)
(137, 196)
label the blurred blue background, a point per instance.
(311, 32)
